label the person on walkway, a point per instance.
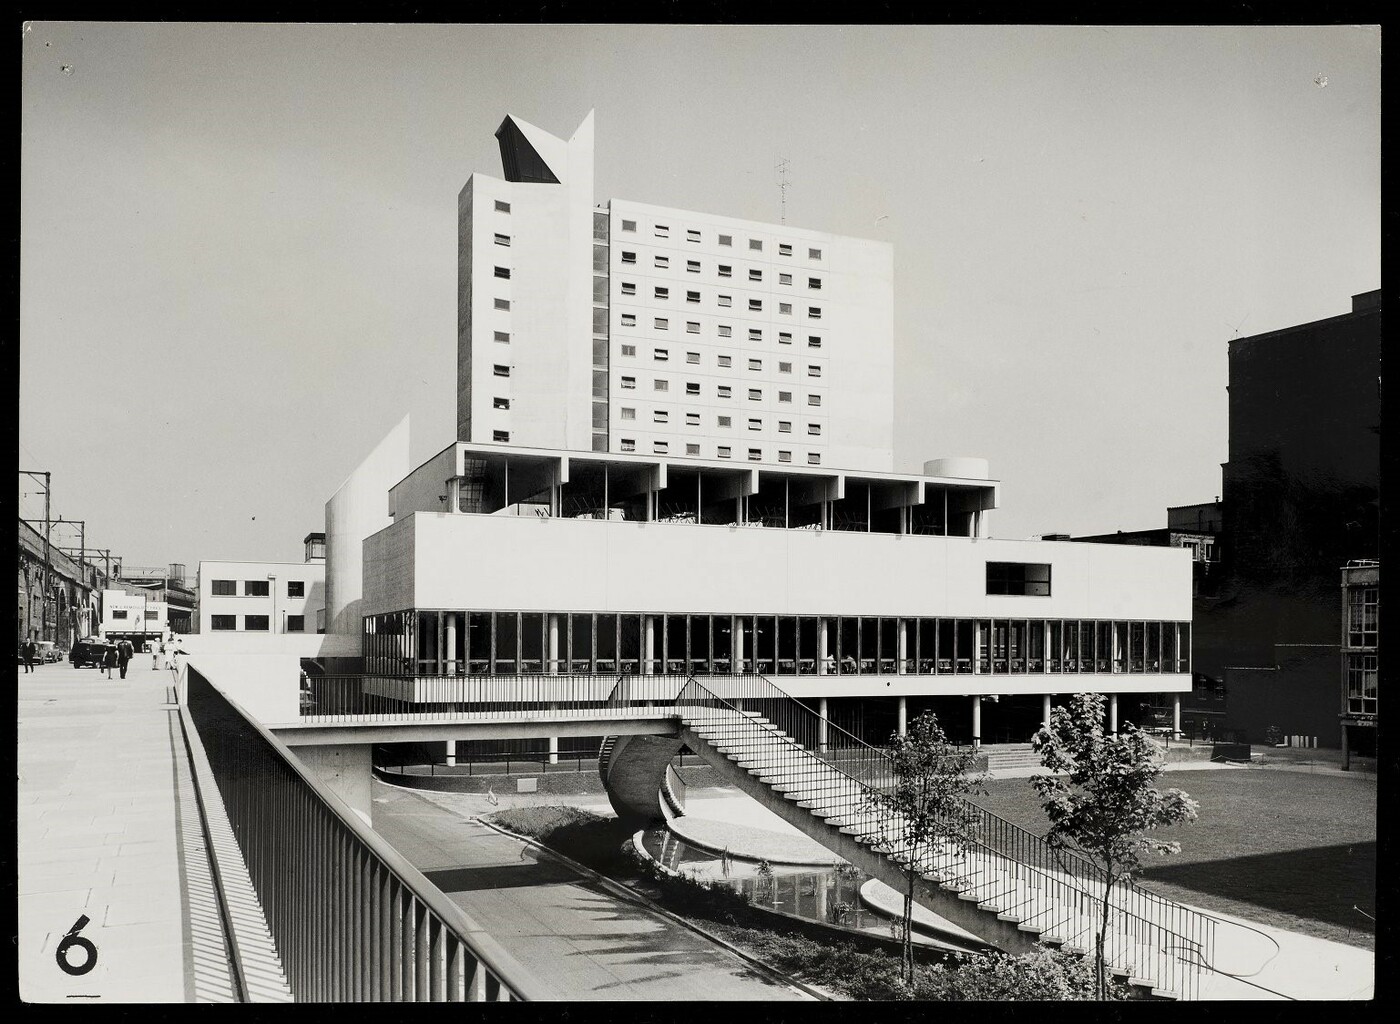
(109, 659)
(124, 655)
(155, 657)
(27, 651)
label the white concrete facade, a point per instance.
(132, 613)
(260, 598)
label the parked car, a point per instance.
(48, 652)
(89, 652)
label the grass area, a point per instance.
(1288, 849)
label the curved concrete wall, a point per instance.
(959, 468)
(636, 772)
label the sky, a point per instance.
(238, 242)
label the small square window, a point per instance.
(692, 236)
(784, 396)
(725, 391)
(627, 414)
(814, 254)
(755, 305)
(500, 435)
(692, 296)
(815, 312)
(661, 323)
(500, 403)
(629, 225)
(784, 456)
(814, 429)
(725, 300)
(629, 350)
(503, 272)
(814, 399)
(755, 454)
(814, 371)
(755, 245)
(723, 421)
(692, 388)
(725, 360)
(500, 371)
(502, 240)
(814, 283)
(692, 266)
(629, 319)
(296, 623)
(502, 304)
(662, 262)
(660, 354)
(785, 279)
(692, 357)
(784, 249)
(662, 231)
(502, 337)
(813, 341)
(629, 257)
(725, 271)
(723, 451)
(813, 459)
(627, 444)
(784, 367)
(785, 426)
(755, 334)
(726, 239)
(660, 385)
(661, 293)
(785, 307)
(784, 337)
(692, 419)
(502, 207)
(661, 416)
(628, 383)
(755, 395)
(692, 449)
(629, 288)
(755, 424)
(725, 330)
(755, 364)
(755, 275)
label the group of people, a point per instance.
(118, 656)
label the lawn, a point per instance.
(1284, 848)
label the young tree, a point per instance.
(1105, 804)
(926, 805)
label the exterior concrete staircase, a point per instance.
(1008, 888)
(1002, 756)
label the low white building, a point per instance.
(271, 598)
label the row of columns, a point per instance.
(977, 717)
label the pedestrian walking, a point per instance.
(155, 657)
(28, 650)
(124, 655)
(109, 659)
(169, 653)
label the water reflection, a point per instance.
(827, 894)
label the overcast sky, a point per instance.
(238, 250)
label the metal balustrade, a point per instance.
(351, 918)
(1006, 870)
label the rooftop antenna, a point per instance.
(783, 182)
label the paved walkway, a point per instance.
(586, 942)
(108, 830)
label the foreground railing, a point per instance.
(351, 918)
(1059, 892)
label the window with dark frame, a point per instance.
(1025, 579)
(255, 588)
(296, 588)
(223, 622)
(225, 588)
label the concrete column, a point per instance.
(554, 750)
(977, 639)
(821, 726)
(450, 664)
(903, 669)
(823, 645)
(345, 770)
(1346, 750)
(451, 752)
(1113, 713)
(976, 723)
(1045, 709)
(553, 657)
(736, 643)
(1176, 716)
(903, 715)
